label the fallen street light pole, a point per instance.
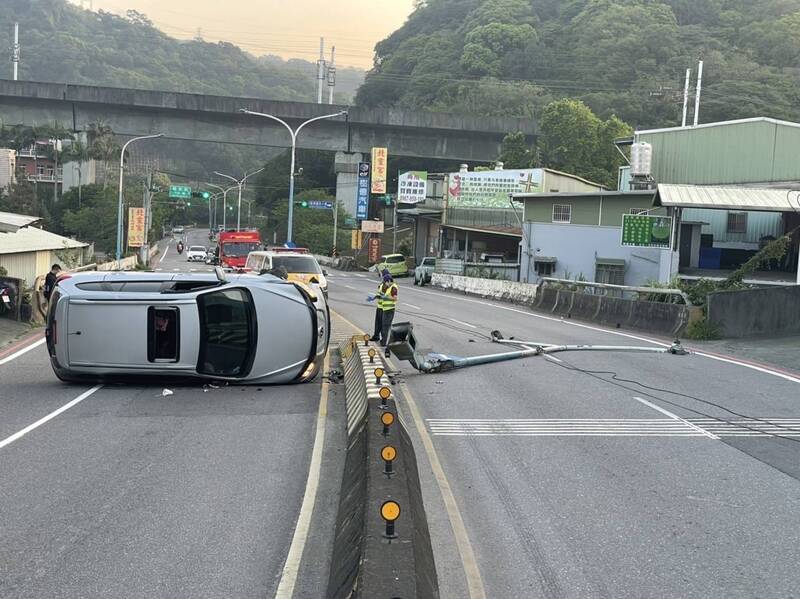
(403, 344)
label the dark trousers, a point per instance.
(383, 322)
(376, 334)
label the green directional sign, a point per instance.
(180, 191)
(643, 230)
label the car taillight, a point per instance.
(63, 277)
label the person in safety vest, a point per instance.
(387, 301)
(376, 334)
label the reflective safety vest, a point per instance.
(387, 304)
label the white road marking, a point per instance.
(24, 350)
(762, 369)
(351, 287)
(303, 526)
(466, 324)
(358, 275)
(164, 255)
(159, 269)
(50, 416)
(412, 306)
(676, 417)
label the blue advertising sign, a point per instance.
(321, 204)
(362, 199)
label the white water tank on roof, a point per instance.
(641, 159)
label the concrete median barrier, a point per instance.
(563, 303)
(367, 560)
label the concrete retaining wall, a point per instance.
(128, 263)
(503, 290)
(752, 312)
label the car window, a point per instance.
(297, 264)
(237, 249)
(163, 334)
(197, 248)
(395, 259)
(227, 333)
(429, 262)
(254, 262)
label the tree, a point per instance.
(516, 152)
(103, 146)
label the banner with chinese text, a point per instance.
(490, 189)
(135, 227)
(380, 163)
(411, 187)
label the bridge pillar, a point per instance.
(346, 169)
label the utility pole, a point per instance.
(686, 96)
(320, 69)
(332, 75)
(15, 53)
(335, 225)
(697, 95)
(394, 228)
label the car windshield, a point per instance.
(238, 248)
(227, 333)
(297, 264)
(197, 248)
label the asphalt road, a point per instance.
(133, 494)
(599, 474)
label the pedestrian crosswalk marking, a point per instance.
(610, 427)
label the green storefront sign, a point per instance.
(642, 230)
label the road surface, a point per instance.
(597, 474)
(133, 494)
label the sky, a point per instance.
(286, 28)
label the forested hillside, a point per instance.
(62, 43)
(623, 57)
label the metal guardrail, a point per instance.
(654, 290)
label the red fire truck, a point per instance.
(233, 247)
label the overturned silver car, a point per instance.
(244, 329)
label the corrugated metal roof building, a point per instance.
(30, 252)
(758, 150)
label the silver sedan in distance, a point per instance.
(244, 329)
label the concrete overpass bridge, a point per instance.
(204, 118)
(198, 117)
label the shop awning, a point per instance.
(610, 261)
(490, 229)
(727, 198)
(545, 259)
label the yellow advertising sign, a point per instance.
(380, 165)
(135, 227)
(356, 240)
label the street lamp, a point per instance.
(224, 202)
(121, 175)
(239, 183)
(294, 133)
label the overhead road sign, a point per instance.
(183, 192)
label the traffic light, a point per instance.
(189, 204)
(303, 204)
(387, 200)
(203, 195)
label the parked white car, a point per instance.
(196, 253)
